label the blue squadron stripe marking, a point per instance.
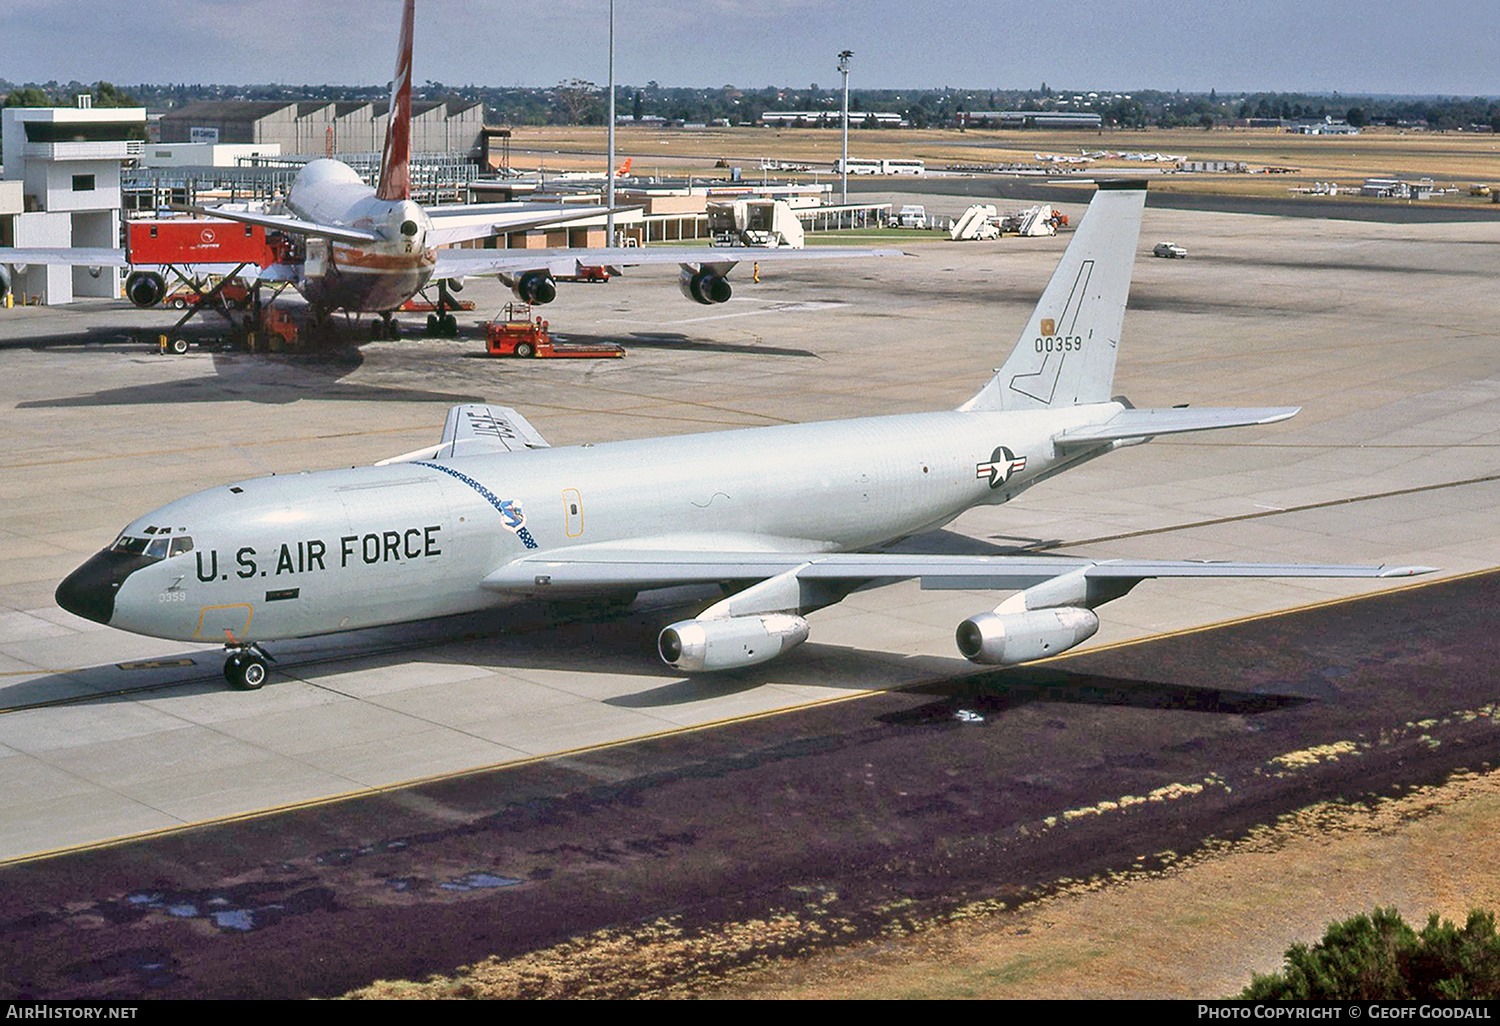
(507, 509)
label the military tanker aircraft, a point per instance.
(786, 519)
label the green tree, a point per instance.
(29, 96)
(106, 95)
(1380, 957)
(578, 101)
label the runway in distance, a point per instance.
(369, 250)
(785, 519)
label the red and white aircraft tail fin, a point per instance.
(395, 173)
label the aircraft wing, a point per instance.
(1142, 424)
(71, 255)
(475, 428)
(463, 222)
(457, 263)
(645, 564)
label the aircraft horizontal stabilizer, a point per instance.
(282, 222)
(1143, 424)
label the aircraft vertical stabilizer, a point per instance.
(1066, 355)
(395, 172)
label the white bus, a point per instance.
(881, 167)
(903, 167)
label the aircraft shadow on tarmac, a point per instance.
(274, 378)
(950, 543)
(111, 339)
(532, 639)
(994, 692)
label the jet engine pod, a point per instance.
(1004, 639)
(145, 288)
(535, 287)
(701, 646)
(705, 287)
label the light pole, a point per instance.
(609, 166)
(844, 70)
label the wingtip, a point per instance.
(1407, 571)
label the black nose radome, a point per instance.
(90, 590)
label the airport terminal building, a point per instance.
(319, 127)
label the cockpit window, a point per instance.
(128, 545)
(160, 547)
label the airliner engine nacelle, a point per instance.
(699, 646)
(145, 288)
(705, 287)
(1004, 639)
(535, 287)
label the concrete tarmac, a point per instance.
(1382, 332)
(668, 867)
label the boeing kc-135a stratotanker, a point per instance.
(785, 519)
(370, 250)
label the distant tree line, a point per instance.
(580, 102)
(103, 94)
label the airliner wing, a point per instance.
(450, 224)
(70, 255)
(643, 564)
(1141, 424)
(474, 428)
(456, 263)
(461, 223)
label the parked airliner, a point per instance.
(369, 250)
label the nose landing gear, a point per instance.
(246, 666)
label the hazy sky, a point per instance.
(1351, 46)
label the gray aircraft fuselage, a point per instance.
(304, 554)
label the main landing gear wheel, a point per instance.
(179, 346)
(245, 670)
(385, 328)
(442, 325)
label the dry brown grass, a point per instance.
(1447, 157)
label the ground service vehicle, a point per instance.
(517, 333)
